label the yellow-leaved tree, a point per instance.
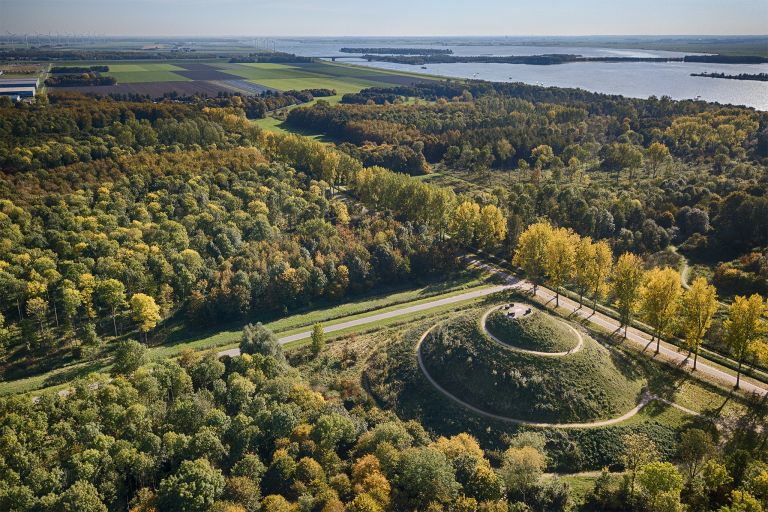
(491, 226)
(559, 258)
(464, 221)
(531, 252)
(626, 281)
(660, 297)
(697, 308)
(145, 312)
(744, 327)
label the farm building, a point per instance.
(11, 83)
(18, 88)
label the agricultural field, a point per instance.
(212, 77)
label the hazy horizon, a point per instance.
(397, 18)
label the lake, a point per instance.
(634, 79)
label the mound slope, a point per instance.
(534, 331)
(591, 384)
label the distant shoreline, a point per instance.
(757, 77)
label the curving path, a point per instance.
(645, 399)
(507, 346)
(706, 370)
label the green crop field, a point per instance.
(317, 75)
(145, 72)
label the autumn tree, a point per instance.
(464, 222)
(626, 283)
(145, 312)
(111, 293)
(639, 450)
(698, 306)
(37, 308)
(660, 297)
(599, 271)
(531, 253)
(559, 258)
(744, 327)
(584, 260)
(656, 154)
(661, 484)
(521, 469)
(491, 226)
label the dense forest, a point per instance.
(643, 174)
(117, 215)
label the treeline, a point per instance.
(400, 51)
(562, 258)
(535, 60)
(79, 69)
(257, 106)
(536, 151)
(89, 78)
(71, 54)
(726, 59)
(759, 77)
(270, 57)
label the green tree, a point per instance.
(111, 293)
(81, 497)
(37, 308)
(129, 356)
(694, 449)
(194, 487)
(318, 339)
(425, 476)
(639, 450)
(257, 339)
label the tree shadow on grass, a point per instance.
(75, 372)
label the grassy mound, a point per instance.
(537, 331)
(592, 384)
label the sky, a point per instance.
(385, 18)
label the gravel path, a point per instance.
(635, 336)
(645, 399)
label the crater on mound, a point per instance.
(528, 328)
(592, 384)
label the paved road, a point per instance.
(635, 336)
(507, 346)
(358, 322)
